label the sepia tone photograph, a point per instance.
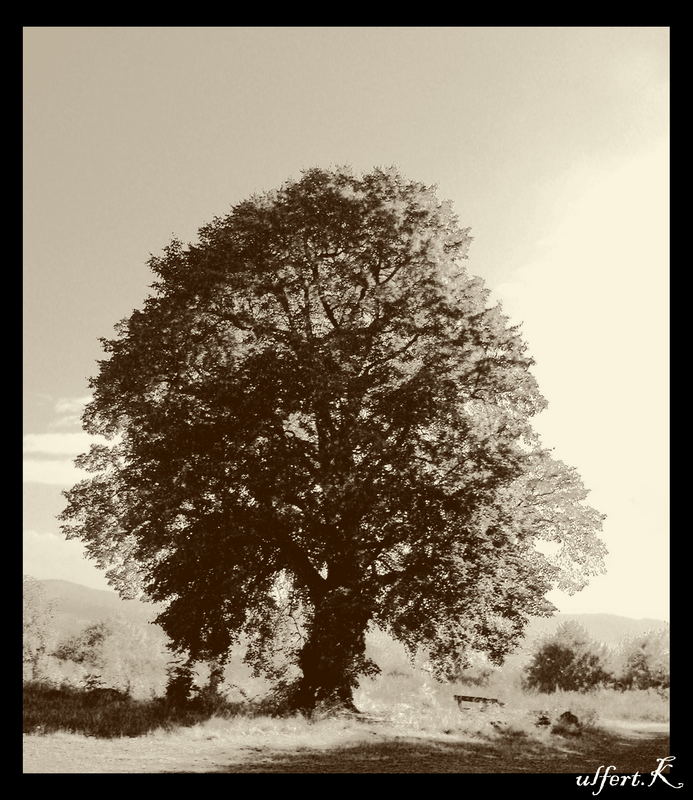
(346, 402)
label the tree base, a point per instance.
(302, 699)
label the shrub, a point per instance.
(87, 647)
(106, 713)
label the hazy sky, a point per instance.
(553, 144)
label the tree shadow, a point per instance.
(508, 754)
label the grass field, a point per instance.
(413, 729)
(293, 745)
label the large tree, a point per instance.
(318, 424)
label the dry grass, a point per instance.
(412, 724)
(415, 726)
(408, 703)
(295, 744)
(416, 701)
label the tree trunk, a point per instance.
(333, 657)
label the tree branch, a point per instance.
(396, 353)
(328, 311)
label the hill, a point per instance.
(76, 606)
(608, 629)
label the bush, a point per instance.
(87, 647)
(107, 713)
(568, 660)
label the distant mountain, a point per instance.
(76, 606)
(608, 629)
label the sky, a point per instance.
(552, 143)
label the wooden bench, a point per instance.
(466, 702)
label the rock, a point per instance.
(569, 719)
(567, 725)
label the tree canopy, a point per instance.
(318, 423)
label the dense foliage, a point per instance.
(318, 423)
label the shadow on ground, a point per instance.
(629, 751)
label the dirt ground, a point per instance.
(630, 747)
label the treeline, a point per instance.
(122, 656)
(116, 654)
(569, 660)
(110, 653)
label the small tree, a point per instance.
(646, 661)
(37, 618)
(568, 660)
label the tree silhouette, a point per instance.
(319, 424)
